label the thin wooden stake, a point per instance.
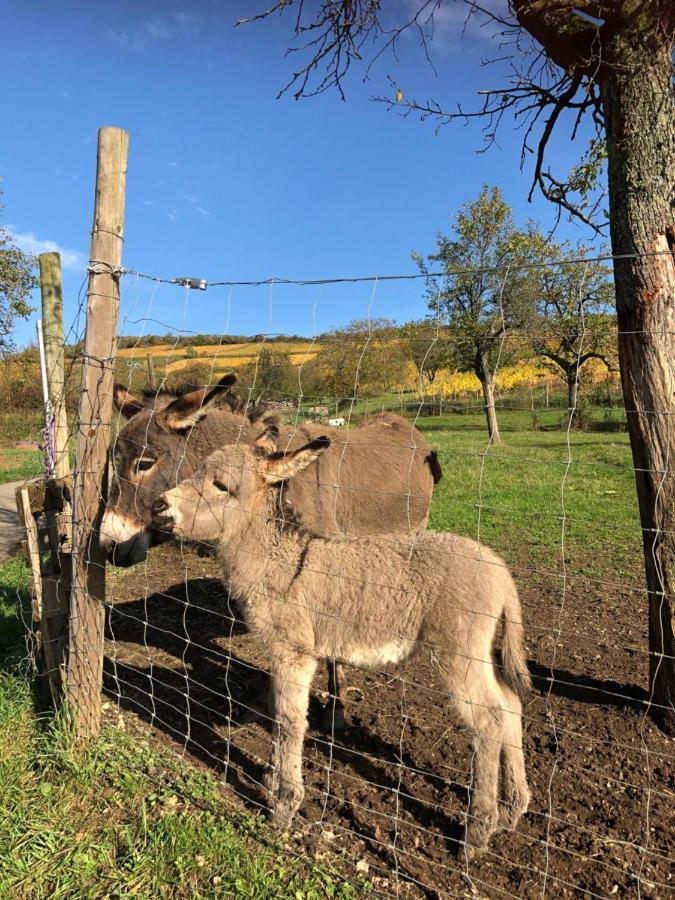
(152, 378)
(52, 330)
(85, 664)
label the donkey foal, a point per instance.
(368, 601)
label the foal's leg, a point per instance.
(483, 814)
(477, 699)
(292, 675)
(514, 793)
(334, 713)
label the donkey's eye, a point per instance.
(219, 485)
(143, 464)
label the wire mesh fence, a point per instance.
(413, 498)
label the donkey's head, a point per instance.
(230, 488)
(164, 441)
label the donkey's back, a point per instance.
(376, 601)
(377, 478)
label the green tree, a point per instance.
(270, 376)
(483, 293)
(430, 345)
(574, 319)
(16, 282)
(366, 357)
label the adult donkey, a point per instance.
(374, 479)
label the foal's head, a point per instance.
(229, 489)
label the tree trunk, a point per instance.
(572, 393)
(639, 111)
(488, 384)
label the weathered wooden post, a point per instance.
(52, 330)
(152, 378)
(56, 572)
(85, 662)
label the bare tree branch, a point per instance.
(332, 37)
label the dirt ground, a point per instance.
(389, 795)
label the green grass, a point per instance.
(20, 426)
(536, 488)
(20, 463)
(16, 463)
(119, 818)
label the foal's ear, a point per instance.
(267, 443)
(279, 467)
(125, 402)
(186, 410)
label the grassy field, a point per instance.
(537, 489)
(120, 819)
(18, 463)
(247, 349)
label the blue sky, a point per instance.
(227, 182)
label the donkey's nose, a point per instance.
(159, 506)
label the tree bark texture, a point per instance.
(639, 109)
(572, 393)
(488, 386)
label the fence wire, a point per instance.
(387, 796)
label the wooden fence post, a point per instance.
(54, 574)
(52, 329)
(152, 378)
(87, 614)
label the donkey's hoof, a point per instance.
(288, 800)
(510, 812)
(333, 719)
(281, 817)
(478, 833)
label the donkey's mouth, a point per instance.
(162, 521)
(129, 552)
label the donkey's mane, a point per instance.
(254, 412)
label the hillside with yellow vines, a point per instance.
(171, 360)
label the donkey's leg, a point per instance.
(477, 699)
(334, 712)
(514, 793)
(292, 677)
(483, 812)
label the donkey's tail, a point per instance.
(432, 461)
(514, 659)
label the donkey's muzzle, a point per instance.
(162, 522)
(129, 552)
(159, 506)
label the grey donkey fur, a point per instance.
(369, 601)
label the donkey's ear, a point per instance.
(125, 402)
(279, 467)
(185, 411)
(267, 443)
